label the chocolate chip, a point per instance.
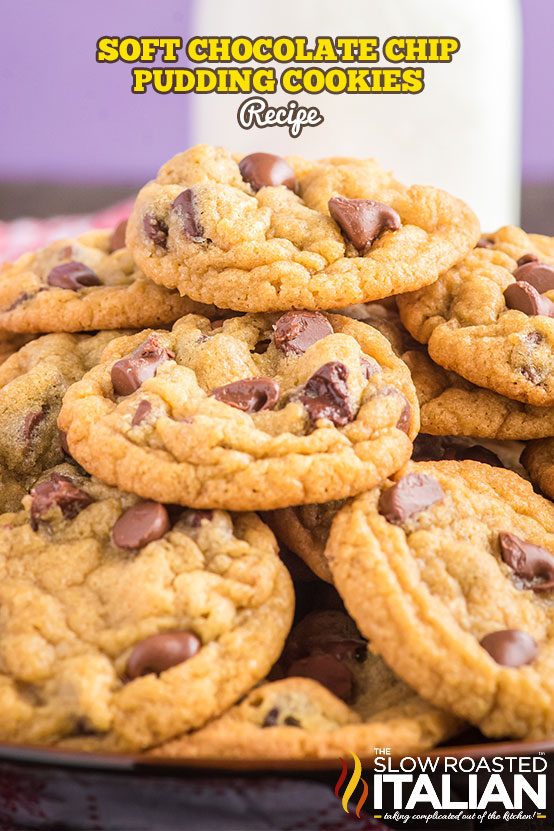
(217, 324)
(265, 169)
(143, 410)
(528, 258)
(326, 394)
(271, 718)
(72, 276)
(58, 491)
(485, 242)
(250, 395)
(143, 523)
(510, 647)
(32, 421)
(186, 207)
(155, 229)
(129, 373)
(117, 239)
(405, 418)
(369, 367)
(262, 346)
(538, 275)
(161, 652)
(291, 721)
(197, 518)
(362, 221)
(63, 442)
(535, 565)
(296, 331)
(524, 298)
(413, 494)
(328, 670)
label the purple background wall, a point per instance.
(66, 118)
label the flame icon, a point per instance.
(353, 783)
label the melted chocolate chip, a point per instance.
(528, 258)
(186, 207)
(32, 421)
(326, 395)
(197, 518)
(510, 647)
(143, 411)
(271, 717)
(328, 670)
(369, 367)
(159, 653)
(57, 491)
(533, 564)
(117, 239)
(72, 276)
(297, 331)
(362, 221)
(142, 523)
(155, 229)
(485, 242)
(250, 395)
(538, 275)
(264, 169)
(524, 298)
(129, 373)
(413, 494)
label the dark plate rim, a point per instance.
(141, 763)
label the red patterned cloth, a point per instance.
(27, 234)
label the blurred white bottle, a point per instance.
(461, 133)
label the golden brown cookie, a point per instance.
(124, 622)
(269, 234)
(254, 412)
(538, 459)
(451, 406)
(490, 318)
(449, 570)
(337, 697)
(85, 284)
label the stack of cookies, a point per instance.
(223, 533)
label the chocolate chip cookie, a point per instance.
(252, 412)
(538, 459)
(336, 697)
(449, 570)
(265, 233)
(490, 318)
(126, 622)
(451, 406)
(33, 382)
(84, 284)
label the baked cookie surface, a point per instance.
(490, 318)
(450, 572)
(85, 284)
(124, 622)
(253, 412)
(538, 460)
(269, 234)
(336, 697)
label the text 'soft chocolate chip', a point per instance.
(411, 495)
(186, 207)
(264, 169)
(155, 229)
(143, 411)
(129, 373)
(117, 239)
(72, 276)
(538, 275)
(143, 523)
(522, 297)
(297, 331)
(328, 670)
(362, 221)
(250, 395)
(326, 395)
(510, 647)
(159, 653)
(533, 564)
(57, 491)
